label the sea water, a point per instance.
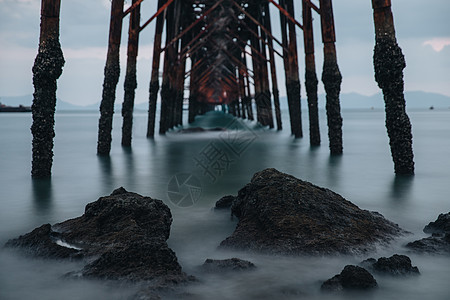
(363, 174)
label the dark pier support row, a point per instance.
(230, 49)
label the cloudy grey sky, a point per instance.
(423, 32)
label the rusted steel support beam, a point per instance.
(130, 83)
(242, 96)
(287, 14)
(112, 73)
(273, 68)
(257, 64)
(167, 87)
(161, 10)
(389, 63)
(285, 40)
(312, 5)
(181, 70)
(331, 78)
(293, 78)
(175, 65)
(267, 112)
(134, 5)
(258, 36)
(187, 29)
(193, 89)
(248, 98)
(257, 23)
(311, 76)
(154, 81)
(46, 70)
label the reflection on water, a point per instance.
(42, 195)
(106, 171)
(401, 187)
(334, 174)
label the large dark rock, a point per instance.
(122, 236)
(439, 241)
(394, 265)
(351, 278)
(281, 214)
(225, 265)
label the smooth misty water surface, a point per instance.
(363, 175)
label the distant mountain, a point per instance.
(27, 100)
(414, 100)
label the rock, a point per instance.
(351, 278)
(224, 265)
(436, 244)
(122, 236)
(394, 265)
(281, 214)
(43, 242)
(225, 202)
(439, 241)
(440, 226)
(137, 261)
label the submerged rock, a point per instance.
(351, 278)
(394, 265)
(225, 202)
(281, 214)
(439, 241)
(200, 129)
(224, 265)
(122, 236)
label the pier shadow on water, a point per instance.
(42, 195)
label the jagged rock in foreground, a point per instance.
(225, 265)
(121, 236)
(394, 265)
(281, 214)
(351, 278)
(439, 241)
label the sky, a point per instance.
(423, 32)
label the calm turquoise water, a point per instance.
(363, 175)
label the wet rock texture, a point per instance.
(281, 214)
(389, 63)
(394, 265)
(122, 236)
(351, 278)
(225, 265)
(439, 241)
(46, 70)
(332, 78)
(225, 202)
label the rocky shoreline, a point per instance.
(123, 236)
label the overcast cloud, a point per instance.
(423, 32)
